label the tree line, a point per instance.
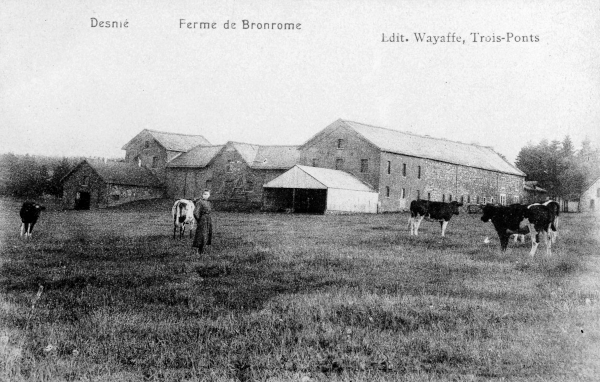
(558, 167)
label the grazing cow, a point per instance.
(183, 213)
(30, 212)
(433, 210)
(542, 219)
(506, 220)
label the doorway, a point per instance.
(82, 201)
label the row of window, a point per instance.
(468, 200)
(364, 166)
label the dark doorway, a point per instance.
(310, 201)
(82, 201)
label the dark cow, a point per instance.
(506, 220)
(30, 212)
(542, 218)
(433, 210)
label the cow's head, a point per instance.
(489, 211)
(455, 206)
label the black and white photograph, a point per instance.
(300, 191)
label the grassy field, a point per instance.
(293, 297)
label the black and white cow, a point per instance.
(542, 219)
(439, 211)
(183, 213)
(30, 213)
(506, 220)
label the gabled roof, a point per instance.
(531, 185)
(317, 178)
(170, 141)
(120, 173)
(589, 185)
(199, 156)
(438, 149)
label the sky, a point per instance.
(70, 89)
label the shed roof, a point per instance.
(199, 156)
(318, 178)
(171, 141)
(120, 173)
(420, 146)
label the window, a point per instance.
(598, 192)
(429, 196)
(389, 167)
(484, 200)
(450, 197)
(419, 172)
(339, 163)
(516, 199)
(403, 169)
(85, 181)
(443, 197)
(249, 186)
(340, 143)
(462, 199)
(229, 167)
(477, 199)
(114, 197)
(315, 162)
(418, 195)
(364, 165)
(387, 191)
(492, 200)
(468, 198)
(154, 162)
(208, 184)
(147, 144)
(503, 199)
(404, 193)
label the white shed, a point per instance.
(318, 190)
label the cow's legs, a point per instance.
(22, 228)
(418, 225)
(30, 229)
(411, 225)
(535, 241)
(548, 242)
(174, 230)
(444, 225)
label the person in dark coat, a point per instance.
(204, 227)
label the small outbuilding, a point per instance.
(92, 185)
(318, 190)
(590, 198)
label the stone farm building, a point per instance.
(404, 166)
(92, 185)
(234, 173)
(154, 149)
(590, 198)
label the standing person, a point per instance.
(203, 235)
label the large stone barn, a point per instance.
(234, 173)
(92, 185)
(318, 190)
(404, 166)
(154, 149)
(590, 198)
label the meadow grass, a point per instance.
(293, 297)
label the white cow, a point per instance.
(183, 213)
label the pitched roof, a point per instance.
(420, 146)
(172, 141)
(318, 178)
(120, 173)
(199, 156)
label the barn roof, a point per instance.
(120, 173)
(199, 156)
(399, 142)
(171, 141)
(318, 178)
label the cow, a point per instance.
(183, 213)
(30, 213)
(542, 219)
(433, 210)
(555, 207)
(506, 220)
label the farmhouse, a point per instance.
(154, 149)
(234, 173)
(590, 198)
(404, 166)
(92, 185)
(318, 190)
